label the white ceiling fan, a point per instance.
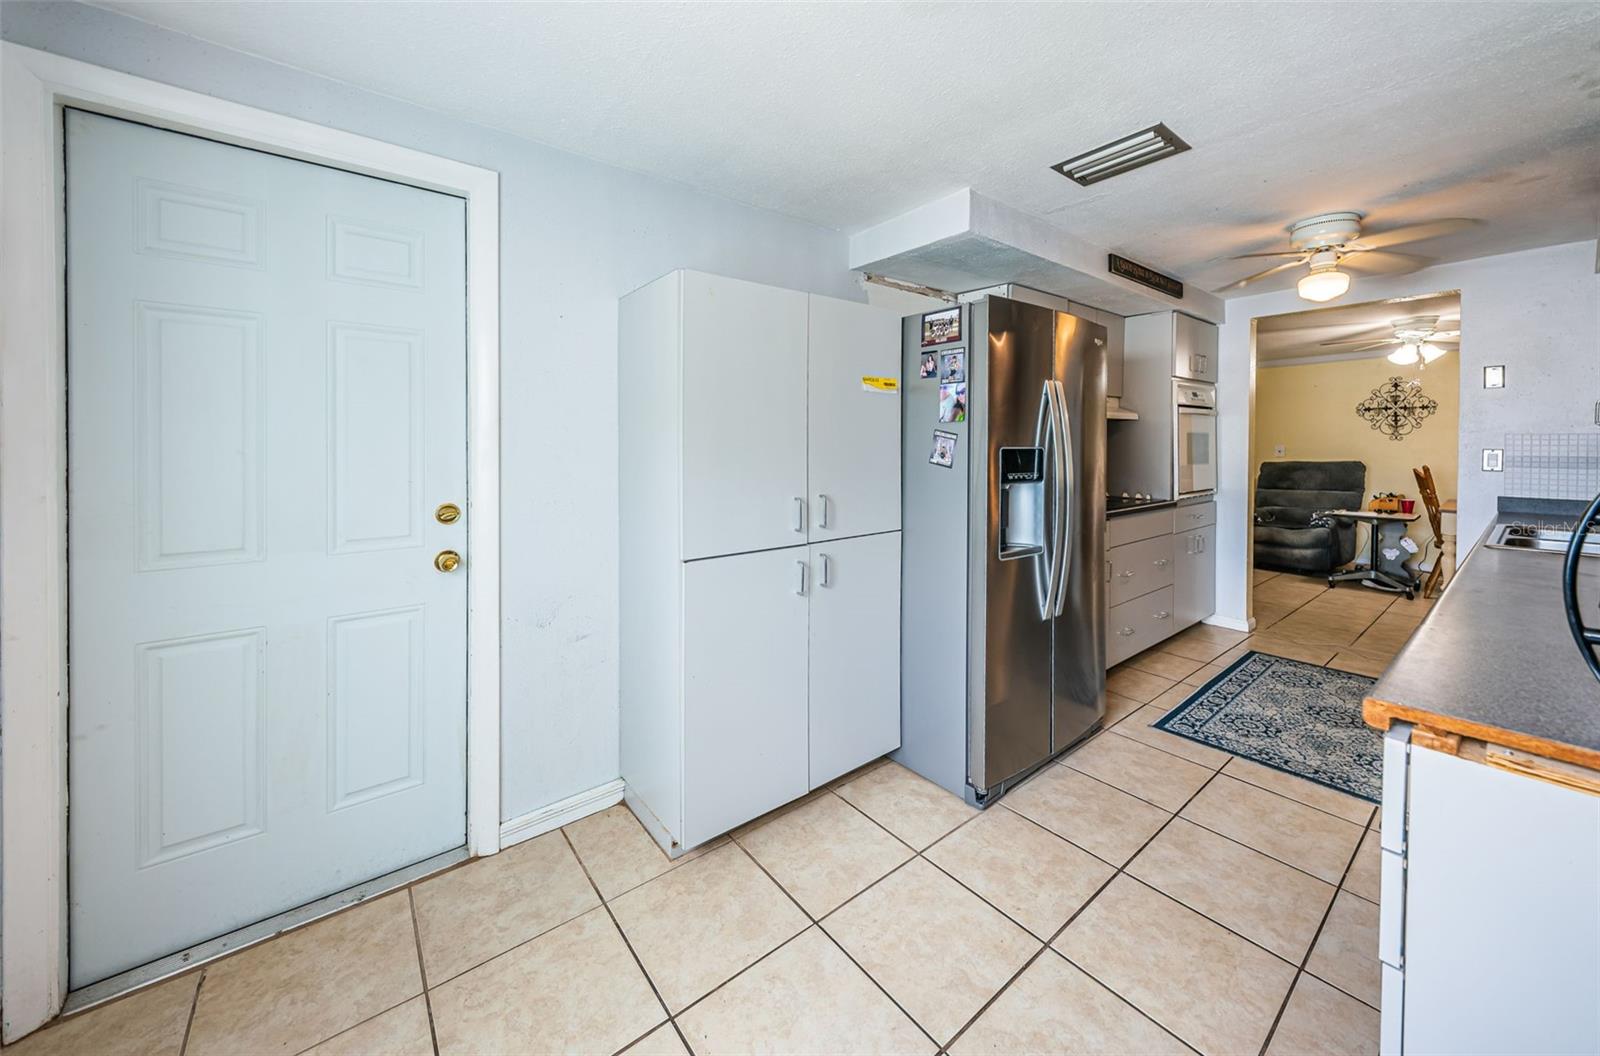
(1333, 245)
(1415, 338)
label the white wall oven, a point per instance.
(1195, 437)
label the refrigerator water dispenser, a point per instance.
(1021, 502)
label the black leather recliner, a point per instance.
(1291, 535)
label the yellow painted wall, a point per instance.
(1311, 410)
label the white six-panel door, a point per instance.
(266, 402)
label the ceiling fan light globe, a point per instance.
(1431, 352)
(1324, 284)
(1404, 356)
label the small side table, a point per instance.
(1382, 572)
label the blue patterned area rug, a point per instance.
(1296, 717)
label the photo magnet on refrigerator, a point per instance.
(941, 327)
(944, 449)
(953, 366)
(953, 402)
(930, 365)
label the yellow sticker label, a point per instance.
(872, 384)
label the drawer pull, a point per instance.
(1162, 562)
(1126, 632)
(1162, 615)
(1129, 574)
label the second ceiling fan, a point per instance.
(1416, 338)
(1333, 245)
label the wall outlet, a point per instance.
(1278, 451)
(1493, 457)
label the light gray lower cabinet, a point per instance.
(1195, 577)
(745, 669)
(1161, 576)
(1489, 927)
(789, 676)
(854, 665)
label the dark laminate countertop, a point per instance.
(1494, 660)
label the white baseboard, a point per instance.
(547, 819)
(1230, 623)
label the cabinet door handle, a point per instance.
(1200, 539)
(800, 578)
(822, 510)
(826, 566)
(799, 514)
(1125, 632)
(1163, 614)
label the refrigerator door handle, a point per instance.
(1045, 435)
(1066, 485)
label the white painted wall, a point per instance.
(1537, 312)
(575, 235)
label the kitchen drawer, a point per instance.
(1131, 527)
(1138, 568)
(1199, 515)
(1136, 625)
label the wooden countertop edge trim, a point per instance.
(1379, 714)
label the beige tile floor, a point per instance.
(1143, 895)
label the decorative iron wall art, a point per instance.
(1396, 408)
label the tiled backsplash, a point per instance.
(1552, 465)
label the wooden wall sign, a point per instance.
(1145, 276)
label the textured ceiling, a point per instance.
(847, 114)
(1299, 335)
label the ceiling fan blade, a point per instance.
(1376, 345)
(1361, 339)
(1383, 262)
(1413, 233)
(1260, 275)
(1284, 253)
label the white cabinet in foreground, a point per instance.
(1489, 932)
(759, 500)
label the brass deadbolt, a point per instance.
(447, 513)
(447, 561)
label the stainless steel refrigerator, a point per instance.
(1003, 602)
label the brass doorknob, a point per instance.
(447, 513)
(447, 561)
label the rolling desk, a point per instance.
(1383, 571)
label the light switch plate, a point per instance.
(1494, 377)
(1493, 457)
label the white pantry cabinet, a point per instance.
(759, 469)
(744, 688)
(855, 653)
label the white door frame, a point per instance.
(36, 86)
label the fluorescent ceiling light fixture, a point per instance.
(1123, 155)
(1323, 284)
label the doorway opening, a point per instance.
(1354, 465)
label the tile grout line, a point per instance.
(1050, 944)
(194, 1005)
(422, 969)
(628, 944)
(1301, 970)
(816, 922)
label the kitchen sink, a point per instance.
(1539, 539)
